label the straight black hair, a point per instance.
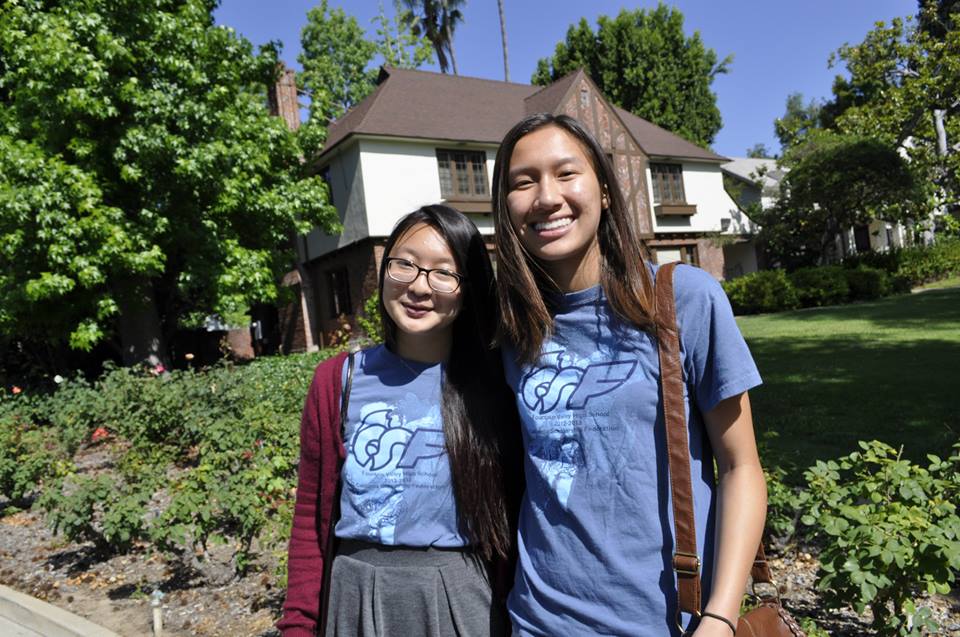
(480, 422)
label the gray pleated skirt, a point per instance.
(384, 591)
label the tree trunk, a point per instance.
(141, 336)
(453, 55)
(938, 116)
(503, 36)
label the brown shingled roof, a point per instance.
(659, 142)
(434, 106)
(427, 105)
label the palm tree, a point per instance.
(503, 36)
(436, 21)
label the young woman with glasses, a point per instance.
(428, 452)
(576, 287)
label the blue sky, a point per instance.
(778, 46)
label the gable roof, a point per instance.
(659, 142)
(427, 105)
(750, 170)
(410, 103)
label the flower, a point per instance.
(16, 390)
(188, 356)
(99, 434)
(58, 379)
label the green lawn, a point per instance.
(888, 370)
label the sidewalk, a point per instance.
(25, 616)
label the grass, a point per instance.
(887, 370)
(950, 282)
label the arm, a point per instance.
(316, 486)
(741, 509)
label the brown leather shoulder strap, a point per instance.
(686, 560)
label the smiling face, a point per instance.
(424, 317)
(555, 200)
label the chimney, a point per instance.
(283, 98)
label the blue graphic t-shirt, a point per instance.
(596, 523)
(396, 477)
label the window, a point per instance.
(325, 176)
(667, 184)
(463, 173)
(338, 285)
(682, 253)
(861, 238)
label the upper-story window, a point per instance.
(463, 173)
(667, 184)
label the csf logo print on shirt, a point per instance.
(562, 381)
(383, 441)
(556, 394)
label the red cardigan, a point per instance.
(312, 539)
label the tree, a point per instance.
(503, 38)
(143, 185)
(836, 182)
(644, 62)
(904, 89)
(797, 122)
(759, 151)
(436, 20)
(337, 61)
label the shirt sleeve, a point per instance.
(717, 362)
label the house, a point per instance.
(425, 137)
(756, 181)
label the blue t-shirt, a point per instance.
(396, 477)
(596, 523)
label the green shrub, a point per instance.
(763, 291)
(866, 283)
(782, 502)
(819, 286)
(890, 531)
(370, 321)
(29, 455)
(913, 265)
(214, 450)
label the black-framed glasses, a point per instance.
(439, 279)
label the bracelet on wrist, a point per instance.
(720, 618)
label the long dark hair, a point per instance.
(480, 422)
(527, 320)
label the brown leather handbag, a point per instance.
(769, 618)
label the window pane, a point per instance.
(479, 174)
(446, 179)
(463, 178)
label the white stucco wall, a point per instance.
(703, 187)
(399, 177)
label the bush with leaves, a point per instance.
(890, 532)
(763, 291)
(370, 321)
(821, 285)
(866, 283)
(201, 458)
(913, 265)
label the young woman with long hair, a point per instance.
(424, 464)
(577, 297)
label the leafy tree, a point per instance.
(337, 63)
(436, 20)
(335, 59)
(759, 151)
(836, 182)
(797, 122)
(645, 63)
(904, 89)
(143, 185)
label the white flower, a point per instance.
(58, 379)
